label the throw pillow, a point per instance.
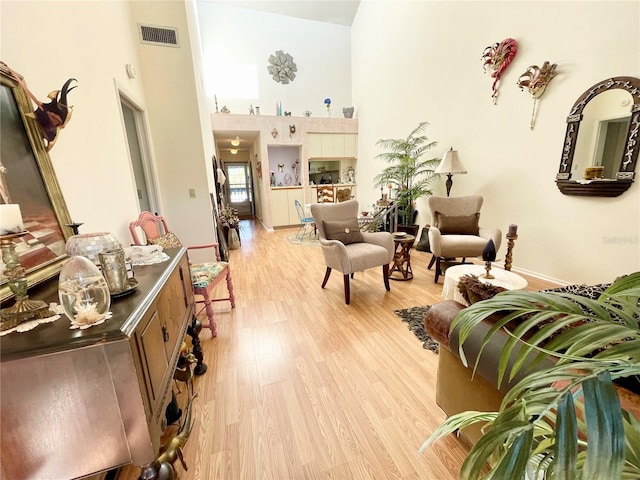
(347, 231)
(459, 225)
(168, 240)
(589, 291)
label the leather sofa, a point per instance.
(457, 390)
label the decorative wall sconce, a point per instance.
(274, 133)
(497, 58)
(535, 81)
(292, 130)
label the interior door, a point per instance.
(138, 147)
(240, 192)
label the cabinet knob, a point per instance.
(165, 333)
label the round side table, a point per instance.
(503, 278)
(401, 265)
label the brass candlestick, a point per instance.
(23, 309)
(510, 243)
(487, 268)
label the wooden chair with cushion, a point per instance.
(347, 249)
(204, 276)
(455, 230)
(326, 194)
(343, 194)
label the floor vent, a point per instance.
(155, 35)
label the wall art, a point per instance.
(534, 81)
(282, 68)
(496, 58)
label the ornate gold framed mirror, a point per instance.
(27, 178)
(602, 141)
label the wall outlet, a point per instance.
(192, 193)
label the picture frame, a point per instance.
(27, 178)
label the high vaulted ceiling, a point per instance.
(341, 12)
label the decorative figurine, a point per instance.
(53, 116)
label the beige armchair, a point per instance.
(455, 230)
(345, 247)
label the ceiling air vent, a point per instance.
(155, 35)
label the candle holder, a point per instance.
(487, 268)
(510, 244)
(488, 255)
(23, 309)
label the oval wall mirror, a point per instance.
(602, 141)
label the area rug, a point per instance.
(415, 319)
(306, 240)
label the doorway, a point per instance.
(135, 130)
(240, 192)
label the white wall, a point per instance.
(236, 36)
(415, 61)
(49, 42)
(182, 136)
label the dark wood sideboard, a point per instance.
(79, 402)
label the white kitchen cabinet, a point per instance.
(283, 209)
(332, 145)
(314, 145)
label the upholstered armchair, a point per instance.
(455, 230)
(346, 248)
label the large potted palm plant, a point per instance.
(572, 420)
(409, 176)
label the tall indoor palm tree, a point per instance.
(410, 176)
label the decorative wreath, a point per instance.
(282, 68)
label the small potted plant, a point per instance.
(231, 225)
(408, 175)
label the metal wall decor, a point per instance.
(282, 68)
(497, 58)
(535, 80)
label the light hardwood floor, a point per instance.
(301, 385)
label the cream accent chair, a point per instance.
(377, 248)
(457, 217)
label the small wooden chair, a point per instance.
(204, 276)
